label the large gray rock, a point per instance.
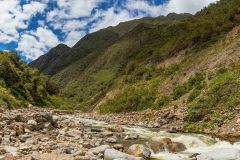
(139, 150)
(99, 149)
(221, 154)
(112, 154)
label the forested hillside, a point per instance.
(21, 85)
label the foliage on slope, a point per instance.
(187, 62)
(21, 85)
(132, 62)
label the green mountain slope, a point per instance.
(62, 56)
(191, 63)
(21, 85)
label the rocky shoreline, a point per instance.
(42, 134)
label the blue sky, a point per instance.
(32, 27)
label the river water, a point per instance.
(195, 143)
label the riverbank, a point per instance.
(42, 134)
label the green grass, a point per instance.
(104, 75)
(216, 106)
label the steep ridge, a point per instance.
(21, 85)
(61, 56)
(85, 46)
(44, 62)
(190, 64)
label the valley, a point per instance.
(162, 88)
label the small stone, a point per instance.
(99, 149)
(118, 147)
(116, 128)
(68, 150)
(35, 156)
(238, 121)
(24, 137)
(132, 136)
(111, 140)
(6, 139)
(2, 151)
(97, 130)
(32, 125)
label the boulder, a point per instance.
(32, 125)
(139, 150)
(221, 154)
(43, 117)
(165, 141)
(118, 147)
(170, 146)
(99, 149)
(176, 147)
(112, 154)
(19, 129)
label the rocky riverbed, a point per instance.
(38, 134)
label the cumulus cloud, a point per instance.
(35, 43)
(13, 17)
(110, 18)
(73, 36)
(186, 6)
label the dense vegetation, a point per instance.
(180, 60)
(21, 85)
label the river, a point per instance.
(195, 143)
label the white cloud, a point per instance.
(66, 18)
(13, 16)
(35, 43)
(110, 18)
(186, 6)
(73, 37)
(76, 8)
(144, 6)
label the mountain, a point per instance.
(190, 62)
(21, 85)
(44, 62)
(61, 56)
